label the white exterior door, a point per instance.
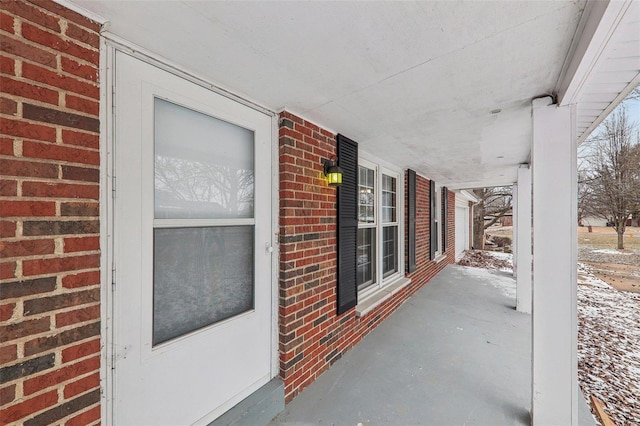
(192, 226)
(462, 230)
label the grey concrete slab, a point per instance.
(456, 353)
(257, 409)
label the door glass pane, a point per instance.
(366, 195)
(201, 276)
(388, 199)
(203, 166)
(366, 257)
(389, 250)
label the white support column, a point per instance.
(514, 228)
(554, 319)
(523, 240)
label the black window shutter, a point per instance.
(433, 230)
(445, 214)
(347, 224)
(411, 220)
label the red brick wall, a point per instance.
(451, 228)
(425, 268)
(49, 190)
(312, 337)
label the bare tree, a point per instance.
(611, 179)
(634, 95)
(583, 193)
(494, 204)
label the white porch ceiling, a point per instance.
(415, 82)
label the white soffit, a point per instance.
(614, 75)
(605, 62)
(413, 82)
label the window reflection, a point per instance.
(192, 189)
(203, 165)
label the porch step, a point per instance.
(259, 408)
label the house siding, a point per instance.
(49, 192)
(311, 335)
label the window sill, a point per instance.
(380, 295)
(440, 258)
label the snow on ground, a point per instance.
(611, 251)
(608, 337)
(504, 283)
(500, 255)
(609, 346)
(487, 260)
(627, 257)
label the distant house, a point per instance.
(505, 220)
(593, 221)
(633, 220)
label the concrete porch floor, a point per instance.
(456, 353)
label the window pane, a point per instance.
(388, 199)
(200, 276)
(203, 166)
(366, 257)
(389, 250)
(366, 195)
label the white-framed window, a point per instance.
(380, 238)
(438, 219)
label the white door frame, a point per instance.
(464, 204)
(108, 46)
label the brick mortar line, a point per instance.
(61, 17)
(47, 237)
(59, 273)
(56, 180)
(48, 256)
(57, 351)
(69, 380)
(53, 125)
(47, 198)
(35, 179)
(57, 89)
(49, 274)
(81, 131)
(64, 420)
(62, 34)
(21, 100)
(61, 399)
(52, 15)
(60, 290)
(27, 139)
(51, 199)
(16, 219)
(56, 162)
(44, 160)
(56, 70)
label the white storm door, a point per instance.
(462, 230)
(192, 218)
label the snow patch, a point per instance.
(611, 251)
(506, 285)
(609, 346)
(501, 255)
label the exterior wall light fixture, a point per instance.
(332, 172)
